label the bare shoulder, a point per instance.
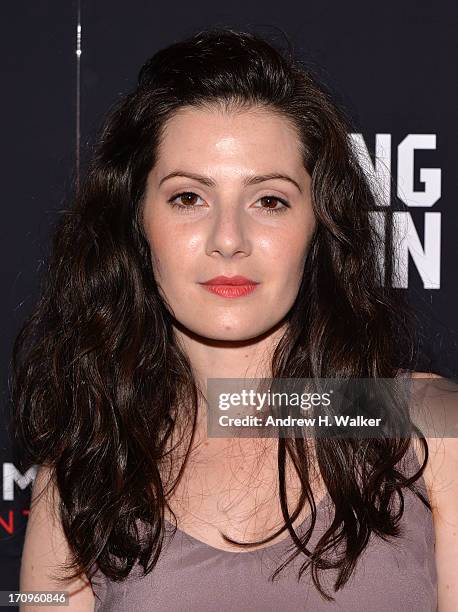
(441, 479)
(442, 465)
(45, 549)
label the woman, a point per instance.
(229, 159)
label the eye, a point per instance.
(273, 211)
(187, 196)
(190, 198)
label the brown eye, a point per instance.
(272, 204)
(186, 200)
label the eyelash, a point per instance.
(188, 208)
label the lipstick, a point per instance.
(230, 286)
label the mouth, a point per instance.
(230, 286)
(230, 291)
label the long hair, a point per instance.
(97, 374)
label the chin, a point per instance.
(235, 335)
(227, 332)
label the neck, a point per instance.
(243, 359)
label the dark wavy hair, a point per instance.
(97, 374)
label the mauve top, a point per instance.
(192, 576)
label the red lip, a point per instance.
(230, 280)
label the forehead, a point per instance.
(254, 137)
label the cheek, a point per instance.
(288, 253)
(172, 251)
(301, 241)
(158, 246)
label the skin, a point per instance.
(229, 232)
(442, 484)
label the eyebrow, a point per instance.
(249, 180)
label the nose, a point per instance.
(228, 233)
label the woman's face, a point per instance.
(234, 219)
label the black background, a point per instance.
(392, 67)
